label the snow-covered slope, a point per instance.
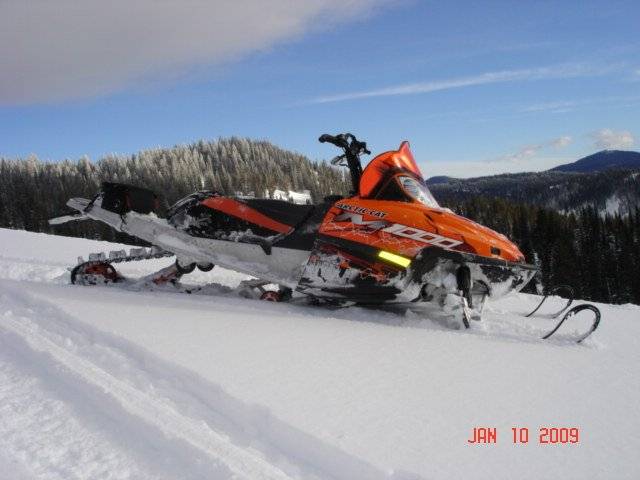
(97, 382)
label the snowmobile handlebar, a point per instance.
(347, 141)
(338, 140)
(353, 148)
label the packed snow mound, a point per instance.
(99, 382)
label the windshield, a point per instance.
(395, 175)
(417, 190)
(384, 165)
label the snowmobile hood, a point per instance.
(405, 228)
(476, 238)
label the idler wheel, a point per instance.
(94, 273)
(184, 269)
(271, 296)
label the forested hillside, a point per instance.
(32, 191)
(559, 219)
(613, 191)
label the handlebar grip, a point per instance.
(362, 146)
(346, 141)
(325, 137)
(337, 140)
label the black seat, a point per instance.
(305, 234)
(281, 211)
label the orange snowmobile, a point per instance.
(392, 242)
(388, 243)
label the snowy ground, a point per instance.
(101, 383)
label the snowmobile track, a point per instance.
(179, 412)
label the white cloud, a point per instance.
(503, 76)
(561, 142)
(560, 106)
(563, 106)
(57, 50)
(527, 152)
(528, 158)
(609, 139)
(524, 153)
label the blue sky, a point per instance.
(476, 87)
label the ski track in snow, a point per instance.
(41, 434)
(159, 400)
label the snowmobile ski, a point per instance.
(568, 312)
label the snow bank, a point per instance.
(169, 382)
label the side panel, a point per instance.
(398, 227)
(241, 210)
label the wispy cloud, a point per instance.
(533, 157)
(563, 106)
(468, 169)
(561, 142)
(523, 153)
(559, 106)
(610, 139)
(527, 152)
(503, 76)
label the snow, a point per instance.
(301, 198)
(101, 383)
(612, 205)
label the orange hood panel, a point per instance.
(406, 228)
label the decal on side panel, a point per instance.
(399, 230)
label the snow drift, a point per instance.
(97, 382)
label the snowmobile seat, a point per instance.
(305, 234)
(281, 211)
(120, 198)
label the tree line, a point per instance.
(597, 254)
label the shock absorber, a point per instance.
(463, 277)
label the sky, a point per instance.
(478, 88)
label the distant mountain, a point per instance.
(604, 160)
(612, 190)
(608, 180)
(439, 179)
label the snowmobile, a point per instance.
(387, 244)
